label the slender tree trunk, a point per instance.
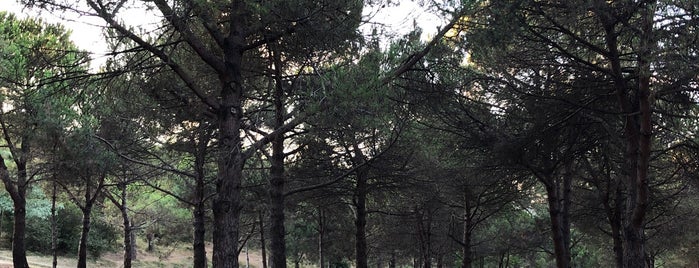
(424, 225)
(263, 243)
(149, 242)
(321, 238)
(199, 245)
(468, 255)
(54, 227)
(467, 229)
(247, 255)
(276, 189)
(129, 251)
(199, 213)
(84, 234)
(616, 227)
(129, 242)
(360, 194)
(227, 203)
(90, 198)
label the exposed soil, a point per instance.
(179, 256)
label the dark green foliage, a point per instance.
(103, 236)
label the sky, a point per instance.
(86, 31)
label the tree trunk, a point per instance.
(54, 227)
(82, 247)
(360, 194)
(618, 245)
(263, 243)
(129, 242)
(19, 250)
(199, 213)
(392, 261)
(276, 188)
(616, 226)
(198, 245)
(149, 242)
(129, 251)
(18, 193)
(637, 129)
(635, 240)
(560, 227)
(247, 255)
(468, 255)
(227, 203)
(321, 238)
(424, 226)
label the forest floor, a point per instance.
(165, 257)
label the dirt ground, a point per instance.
(164, 257)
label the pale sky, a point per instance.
(86, 31)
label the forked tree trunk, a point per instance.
(637, 127)
(18, 193)
(129, 243)
(89, 202)
(634, 230)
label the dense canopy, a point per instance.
(519, 134)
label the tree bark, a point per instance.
(129, 242)
(634, 230)
(360, 194)
(392, 261)
(276, 189)
(227, 203)
(199, 213)
(558, 200)
(637, 129)
(424, 226)
(468, 255)
(616, 225)
(321, 238)
(263, 243)
(18, 193)
(198, 245)
(19, 250)
(84, 234)
(129, 250)
(54, 227)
